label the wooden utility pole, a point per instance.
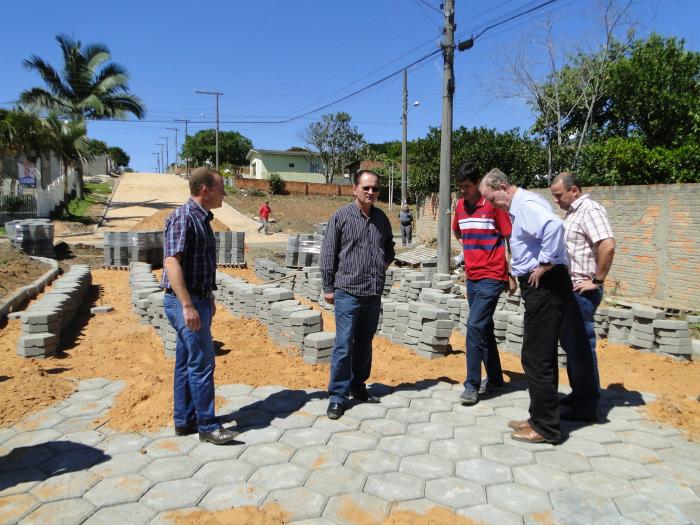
(404, 138)
(448, 88)
(187, 159)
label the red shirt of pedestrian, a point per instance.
(265, 211)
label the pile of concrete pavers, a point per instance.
(423, 328)
(45, 320)
(32, 236)
(230, 248)
(303, 250)
(124, 248)
(269, 270)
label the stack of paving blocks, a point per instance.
(304, 323)
(281, 326)
(619, 325)
(500, 325)
(673, 338)
(44, 321)
(267, 270)
(435, 331)
(642, 330)
(32, 236)
(116, 248)
(600, 320)
(230, 248)
(157, 317)
(143, 283)
(318, 347)
(267, 296)
(514, 333)
(124, 248)
(303, 250)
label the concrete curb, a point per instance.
(26, 293)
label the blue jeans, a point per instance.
(356, 319)
(482, 296)
(194, 365)
(579, 341)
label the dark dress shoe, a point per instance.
(530, 435)
(364, 397)
(567, 400)
(335, 410)
(191, 428)
(219, 436)
(580, 414)
(519, 424)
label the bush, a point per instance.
(256, 193)
(276, 183)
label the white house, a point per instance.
(301, 166)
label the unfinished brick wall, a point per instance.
(297, 188)
(657, 228)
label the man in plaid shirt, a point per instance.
(591, 248)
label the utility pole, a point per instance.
(217, 94)
(448, 87)
(175, 130)
(167, 154)
(187, 159)
(404, 163)
(157, 160)
(162, 156)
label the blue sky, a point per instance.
(280, 58)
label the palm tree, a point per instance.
(70, 143)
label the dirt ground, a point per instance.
(157, 222)
(117, 347)
(17, 269)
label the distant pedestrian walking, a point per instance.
(406, 220)
(264, 214)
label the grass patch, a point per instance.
(2, 231)
(78, 210)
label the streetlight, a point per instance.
(162, 156)
(217, 94)
(175, 130)
(167, 153)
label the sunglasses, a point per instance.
(366, 189)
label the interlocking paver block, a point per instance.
(258, 435)
(224, 472)
(518, 498)
(680, 455)
(335, 480)
(343, 424)
(643, 439)
(483, 471)
(479, 436)
(234, 495)
(64, 486)
(170, 446)
(541, 477)
(120, 464)
(396, 400)
(353, 441)
(507, 454)
(394, 486)
(650, 510)
(122, 443)
(31, 439)
(299, 419)
(383, 427)
(666, 491)
(633, 452)
(602, 483)
(319, 456)
(364, 411)
(131, 513)
(373, 462)
(175, 494)
(304, 436)
(121, 489)
(25, 457)
(583, 504)
(39, 421)
(373, 509)
(76, 457)
(13, 507)
(453, 419)
(69, 511)
(208, 452)
(279, 476)
(455, 449)
(430, 431)
(620, 467)
(300, 502)
(596, 433)
(491, 515)
(584, 447)
(675, 472)
(167, 469)
(431, 404)
(408, 415)
(18, 481)
(267, 454)
(564, 461)
(455, 492)
(419, 506)
(404, 445)
(233, 390)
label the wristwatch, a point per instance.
(597, 281)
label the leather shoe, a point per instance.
(580, 414)
(530, 435)
(335, 410)
(567, 400)
(219, 436)
(364, 397)
(188, 429)
(519, 424)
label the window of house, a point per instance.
(291, 164)
(314, 167)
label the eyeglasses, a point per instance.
(366, 189)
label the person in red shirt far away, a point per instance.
(264, 214)
(483, 232)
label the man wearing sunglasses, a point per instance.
(357, 249)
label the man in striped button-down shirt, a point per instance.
(591, 247)
(357, 249)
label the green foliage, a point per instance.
(128, 170)
(255, 192)
(77, 208)
(96, 147)
(119, 156)
(275, 182)
(201, 147)
(23, 133)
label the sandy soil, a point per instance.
(157, 222)
(17, 269)
(116, 346)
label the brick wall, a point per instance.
(657, 229)
(297, 188)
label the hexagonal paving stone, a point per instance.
(643, 439)
(408, 415)
(17, 481)
(564, 461)
(479, 436)
(279, 476)
(251, 418)
(394, 486)
(343, 424)
(511, 412)
(675, 472)
(316, 407)
(633, 452)
(122, 443)
(353, 441)
(340, 508)
(601, 483)
(650, 510)
(583, 504)
(492, 422)
(92, 383)
(224, 472)
(75, 424)
(403, 445)
(171, 446)
(6, 433)
(234, 495)
(233, 390)
(121, 464)
(680, 455)
(395, 401)
(431, 404)
(620, 467)
(305, 436)
(208, 452)
(541, 477)
(69, 511)
(299, 502)
(364, 411)
(75, 457)
(83, 437)
(584, 447)
(483, 471)
(490, 514)
(455, 449)
(121, 489)
(383, 427)
(267, 454)
(447, 395)
(373, 462)
(665, 490)
(427, 466)
(692, 512)
(507, 454)
(175, 494)
(517, 498)
(64, 486)
(431, 431)
(13, 507)
(455, 492)
(623, 412)
(256, 435)
(319, 456)
(336, 480)
(168, 469)
(297, 419)
(595, 433)
(421, 506)
(411, 392)
(25, 457)
(39, 421)
(131, 513)
(453, 419)
(86, 408)
(31, 439)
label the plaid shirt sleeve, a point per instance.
(175, 235)
(595, 224)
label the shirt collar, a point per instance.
(201, 213)
(579, 201)
(515, 202)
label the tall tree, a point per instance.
(119, 156)
(200, 148)
(337, 140)
(70, 143)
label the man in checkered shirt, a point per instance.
(591, 248)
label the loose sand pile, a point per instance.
(17, 269)
(116, 346)
(157, 222)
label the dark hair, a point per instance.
(360, 173)
(468, 172)
(569, 179)
(202, 177)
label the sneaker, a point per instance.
(469, 397)
(487, 387)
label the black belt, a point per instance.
(205, 294)
(524, 278)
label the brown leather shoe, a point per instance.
(530, 435)
(518, 424)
